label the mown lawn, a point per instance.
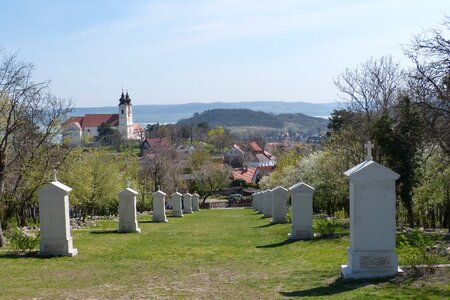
(211, 254)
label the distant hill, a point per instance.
(171, 113)
(250, 118)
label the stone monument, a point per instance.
(176, 205)
(54, 218)
(372, 221)
(127, 211)
(187, 203)
(280, 205)
(261, 202)
(268, 204)
(302, 212)
(195, 202)
(159, 206)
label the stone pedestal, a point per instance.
(261, 202)
(195, 202)
(159, 207)
(187, 203)
(127, 211)
(372, 222)
(54, 218)
(268, 204)
(176, 205)
(302, 212)
(280, 198)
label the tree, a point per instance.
(95, 176)
(29, 125)
(210, 178)
(430, 81)
(219, 138)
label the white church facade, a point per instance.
(78, 128)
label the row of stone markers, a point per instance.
(274, 204)
(56, 239)
(372, 217)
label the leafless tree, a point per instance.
(430, 80)
(29, 126)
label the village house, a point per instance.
(78, 128)
(252, 157)
(155, 146)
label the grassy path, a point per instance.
(212, 254)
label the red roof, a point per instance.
(247, 174)
(255, 147)
(95, 120)
(156, 144)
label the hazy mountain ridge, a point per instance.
(171, 113)
(245, 118)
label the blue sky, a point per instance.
(174, 51)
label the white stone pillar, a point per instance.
(159, 207)
(280, 198)
(195, 202)
(268, 204)
(187, 203)
(127, 211)
(54, 218)
(372, 222)
(302, 212)
(256, 200)
(260, 202)
(176, 205)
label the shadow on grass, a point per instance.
(265, 225)
(34, 254)
(106, 231)
(336, 287)
(279, 244)
(333, 236)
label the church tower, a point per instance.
(125, 116)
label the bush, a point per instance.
(325, 227)
(419, 249)
(24, 241)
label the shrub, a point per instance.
(419, 249)
(24, 241)
(325, 227)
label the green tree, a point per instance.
(96, 176)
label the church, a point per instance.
(76, 129)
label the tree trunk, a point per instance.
(2, 238)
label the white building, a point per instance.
(77, 128)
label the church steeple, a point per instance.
(122, 99)
(127, 98)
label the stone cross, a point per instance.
(369, 146)
(54, 173)
(128, 184)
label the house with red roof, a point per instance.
(79, 127)
(155, 145)
(252, 157)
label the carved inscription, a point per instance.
(375, 262)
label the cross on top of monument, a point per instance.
(369, 146)
(54, 173)
(128, 184)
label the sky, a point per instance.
(182, 51)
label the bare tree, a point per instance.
(29, 126)
(430, 80)
(372, 88)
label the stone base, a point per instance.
(129, 227)
(370, 264)
(160, 219)
(187, 212)
(301, 234)
(177, 215)
(61, 247)
(279, 220)
(347, 274)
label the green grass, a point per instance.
(228, 254)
